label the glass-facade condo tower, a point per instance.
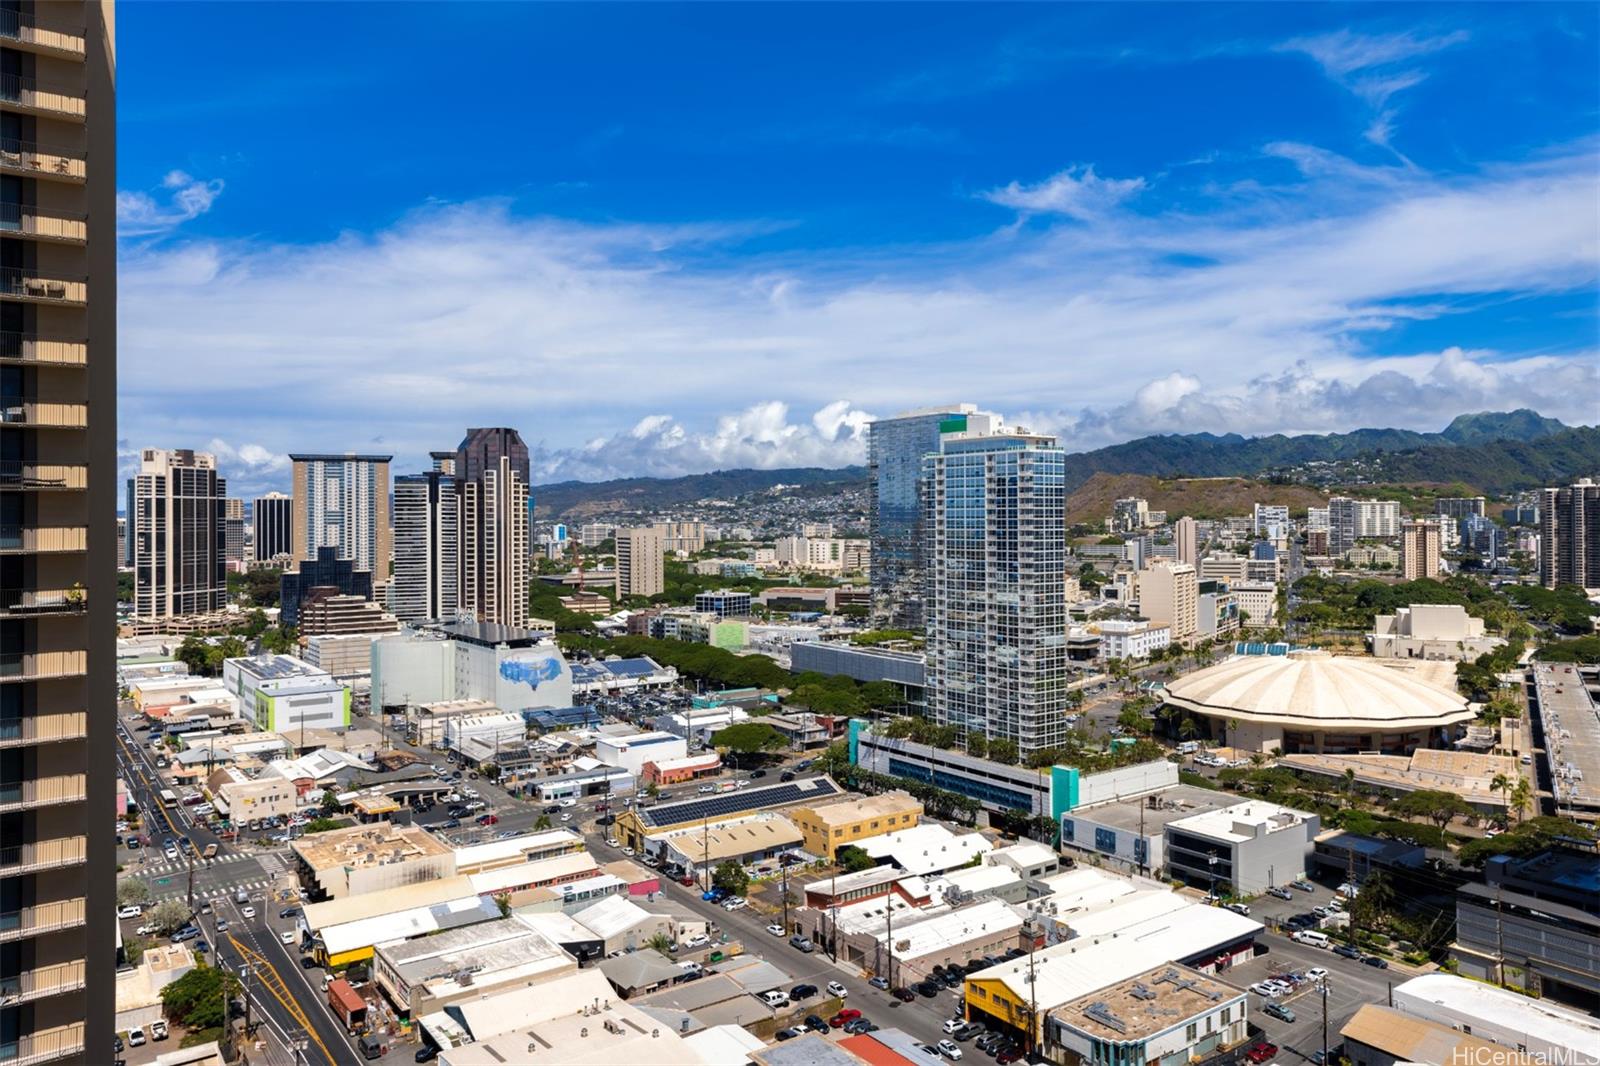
(994, 587)
(895, 447)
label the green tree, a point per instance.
(748, 738)
(198, 999)
(330, 801)
(882, 695)
(130, 890)
(503, 902)
(168, 915)
(281, 640)
(977, 745)
(542, 822)
(322, 825)
(731, 878)
(1440, 808)
(1521, 793)
(1003, 752)
(1133, 720)
(852, 859)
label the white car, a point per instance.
(628, 852)
(699, 940)
(248, 912)
(289, 938)
(775, 929)
(952, 1024)
(171, 854)
(158, 1029)
(735, 903)
(566, 817)
(130, 910)
(136, 1037)
(145, 930)
(1266, 990)
(836, 989)
(704, 789)
(1316, 973)
(613, 842)
(949, 1049)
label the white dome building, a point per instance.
(1311, 701)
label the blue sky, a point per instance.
(661, 239)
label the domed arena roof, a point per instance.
(1317, 691)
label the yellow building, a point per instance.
(824, 827)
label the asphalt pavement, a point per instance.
(1350, 984)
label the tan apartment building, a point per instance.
(1419, 549)
(59, 494)
(1169, 595)
(179, 529)
(246, 799)
(826, 827)
(342, 502)
(640, 565)
(369, 858)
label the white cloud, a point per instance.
(469, 315)
(1373, 67)
(140, 215)
(1077, 192)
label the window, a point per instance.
(1191, 1032)
(1227, 1015)
(1067, 829)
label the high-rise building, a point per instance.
(1129, 515)
(1350, 520)
(233, 530)
(1483, 537)
(895, 508)
(1186, 537)
(272, 518)
(639, 561)
(180, 534)
(1169, 596)
(58, 505)
(427, 536)
(122, 539)
(495, 504)
(1419, 549)
(1569, 542)
(1459, 507)
(342, 502)
(328, 574)
(1270, 520)
(684, 536)
(994, 587)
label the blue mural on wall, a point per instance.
(530, 671)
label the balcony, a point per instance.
(46, 1045)
(33, 288)
(44, 855)
(41, 981)
(41, 792)
(43, 540)
(27, 221)
(31, 159)
(29, 603)
(45, 36)
(41, 919)
(33, 97)
(43, 414)
(44, 728)
(35, 350)
(19, 475)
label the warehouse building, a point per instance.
(1169, 1015)
(368, 858)
(434, 972)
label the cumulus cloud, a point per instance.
(1077, 192)
(716, 357)
(140, 214)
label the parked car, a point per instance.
(289, 912)
(803, 943)
(1278, 1010)
(952, 1024)
(136, 1036)
(699, 940)
(967, 1030)
(129, 910)
(1303, 886)
(1261, 1051)
(1347, 951)
(1280, 892)
(927, 989)
(802, 991)
(158, 1029)
(849, 1014)
(836, 989)
(859, 1026)
(948, 1049)
(1316, 973)
(879, 982)
(816, 1024)
(1376, 962)
(788, 1034)
(904, 995)
(735, 903)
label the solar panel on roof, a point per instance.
(726, 803)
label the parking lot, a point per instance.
(1349, 985)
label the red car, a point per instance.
(849, 1014)
(488, 819)
(1261, 1051)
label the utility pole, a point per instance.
(190, 854)
(1323, 984)
(1033, 996)
(785, 868)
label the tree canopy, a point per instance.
(730, 877)
(197, 1000)
(749, 738)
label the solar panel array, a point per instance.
(746, 799)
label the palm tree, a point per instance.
(1349, 779)
(1502, 783)
(1521, 793)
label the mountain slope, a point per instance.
(576, 499)
(1487, 426)
(1196, 497)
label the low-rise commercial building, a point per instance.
(635, 825)
(1169, 1014)
(1546, 1032)
(1246, 848)
(676, 771)
(367, 858)
(631, 751)
(517, 850)
(1382, 1036)
(825, 827)
(1534, 923)
(1430, 631)
(698, 724)
(279, 693)
(1131, 833)
(431, 973)
(244, 799)
(746, 841)
(1131, 639)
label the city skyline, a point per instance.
(1339, 217)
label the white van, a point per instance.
(1311, 937)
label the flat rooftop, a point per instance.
(1572, 733)
(861, 808)
(506, 948)
(368, 845)
(1146, 1004)
(1242, 821)
(279, 668)
(1465, 773)
(1154, 812)
(492, 634)
(743, 839)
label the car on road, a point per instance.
(129, 910)
(1375, 962)
(613, 842)
(247, 912)
(222, 925)
(803, 943)
(735, 903)
(170, 852)
(1347, 951)
(1316, 973)
(879, 982)
(754, 774)
(289, 912)
(948, 1049)
(1279, 1011)
(849, 1014)
(565, 817)
(136, 1037)
(1303, 886)
(836, 989)
(775, 929)
(816, 1024)
(488, 819)
(289, 938)
(706, 789)
(1261, 1051)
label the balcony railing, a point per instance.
(39, 160)
(39, 666)
(45, 35)
(41, 981)
(42, 351)
(47, 1045)
(44, 728)
(29, 94)
(41, 918)
(43, 855)
(31, 222)
(26, 285)
(21, 475)
(14, 602)
(41, 791)
(27, 411)
(31, 540)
